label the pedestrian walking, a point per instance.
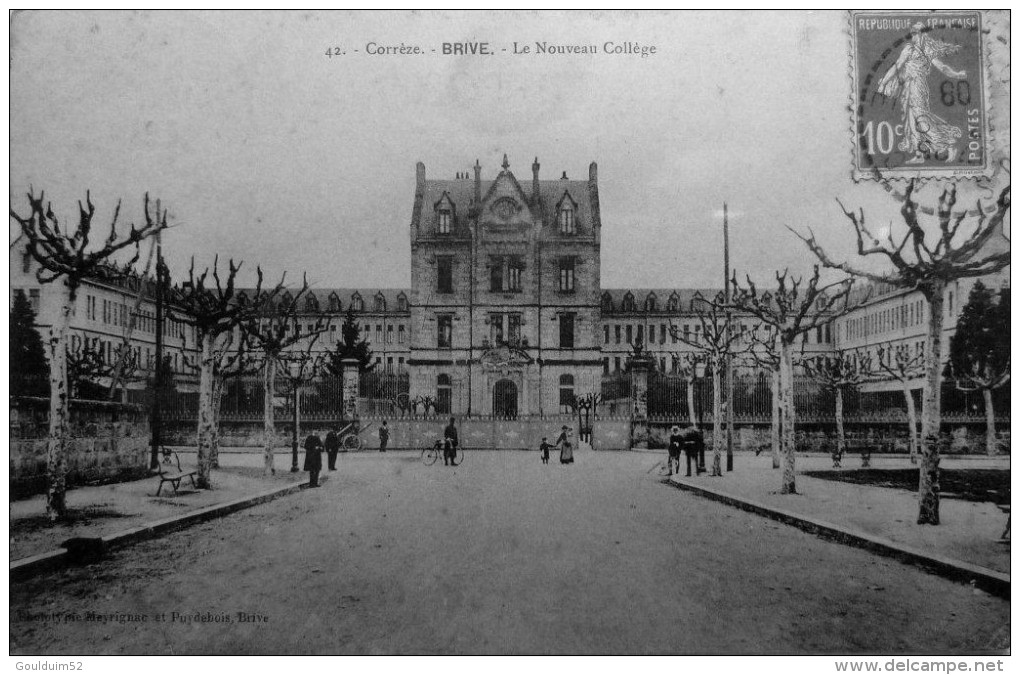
(566, 447)
(332, 445)
(384, 436)
(450, 444)
(694, 446)
(313, 459)
(676, 442)
(545, 448)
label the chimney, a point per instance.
(564, 176)
(420, 177)
(478, 182)
(534, 180)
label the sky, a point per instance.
(266, 150)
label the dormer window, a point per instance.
(650, 303)
(334, 302)
(401, 303)
(357, 304)
(311, 304)
(287, 301)
(566, 218)
(673, 304)
(445, 219)
(445, 212)
(628, 302)
(607, 302)
(380, 303)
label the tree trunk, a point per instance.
(776, 430)
(911, 422)
(928, 485)
(269, 436)
(837, 456)
(217, 399)
(56, 445)
(717, 437)
(690, 400)
(789, 421)
(206, 415)
(991, 446)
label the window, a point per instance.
(673, 305)
(400, 363)
(616, 364)
(640, 333)
(496, 329)
(444, 394)
(566, 331)
(651, 304)
(444, 323)
(607, 302)
(616, 331)
(445, 222)
(26, 262)
(311, 303)
(566, 275)
(389, 364)
(606, 330)
(357, 304)
(662, 333)
(514, 328)
(401, 334)
(380, 303)
(628, 302)
(334, 302)
(495, 275)
(566, 393)
(651, 334)
(401, 303)
(515, 272)
(566, 218)
(605, 365)
(389, 334)
(444, 276)
(630, 334)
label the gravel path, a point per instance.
(500, 555)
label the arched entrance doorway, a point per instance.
(504, 399)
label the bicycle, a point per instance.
(431, 454)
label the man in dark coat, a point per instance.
(450, 438)
(384, 436)
(676, 442)
(694, 446)
(332, 445)
(313, 459)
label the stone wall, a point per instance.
(109, 442)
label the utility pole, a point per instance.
(729, 327)
(156, 421)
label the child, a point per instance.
(545, 448)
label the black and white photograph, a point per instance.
(510, 333)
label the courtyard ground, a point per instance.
(500, 555)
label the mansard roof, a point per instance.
(368, 296)
(662, 296)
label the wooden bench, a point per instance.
(170, 471)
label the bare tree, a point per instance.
(928, 268)
(793, 310)
(765, 352)
(88, 365)
(838, 372)
(716, 343)
(217, 310)
(275, 333)
(66, 256)
(904, 366)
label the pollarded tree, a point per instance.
(274, 333)
(88, 365)
(793, 310)
(686, 366)
(904, 366)
(217, 310)
(928, 264)
(27, 354)
(839, 371)
(765, 352)
(66, 255)
(979, 357)
(715, 342)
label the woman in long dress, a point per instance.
(566, 447)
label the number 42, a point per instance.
(333, 51)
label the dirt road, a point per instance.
(500, 555)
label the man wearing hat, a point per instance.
(566, 447)
(676, 441)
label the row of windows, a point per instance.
(504, 329)
(564, 218)
(651, 303)
(506, 274)
(885, 320)
(118, 313)
(311, 303)
(389, 364)
(145, 359)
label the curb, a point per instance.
(90, 549)
(989, 580)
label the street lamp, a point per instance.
(295, 381)
(699, 375)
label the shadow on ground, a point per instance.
(973, 485)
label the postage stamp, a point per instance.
(918, 104)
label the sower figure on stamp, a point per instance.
(313, 459)
(332, 446)
(384, 436)
(450, 444)
(925, 134)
